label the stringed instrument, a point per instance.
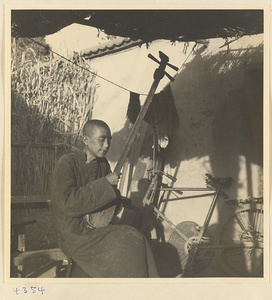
(103, 217)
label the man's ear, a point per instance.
(85, 139)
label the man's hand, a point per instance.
(113, 177)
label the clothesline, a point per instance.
(73, 62)
(93, 73)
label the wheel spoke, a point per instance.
(240, 244)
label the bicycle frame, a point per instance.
(194, 247)
(148, 200)
(212, 186)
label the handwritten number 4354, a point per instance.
(32, 290)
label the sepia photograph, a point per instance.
(136, 144)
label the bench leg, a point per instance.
(69, 268)
(20, 271)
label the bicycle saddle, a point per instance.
(218, 181)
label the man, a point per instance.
(83, 184)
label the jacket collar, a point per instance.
(83, 156)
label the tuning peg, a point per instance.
(163, 56)
(153, 58)
(173, 67)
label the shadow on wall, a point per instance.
(219, 100)
(119, 140)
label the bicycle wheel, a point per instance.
(240, 244)
(203, 255)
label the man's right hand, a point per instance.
(113, 177)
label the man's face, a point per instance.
(97, 142)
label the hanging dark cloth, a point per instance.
(162, 112)
(134, 107)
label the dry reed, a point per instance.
(50, 102)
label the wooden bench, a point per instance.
(30, 201)
(18, 232)
(57, 263)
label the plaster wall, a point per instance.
(218, 94)
(219, 101)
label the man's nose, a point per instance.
(107, 143)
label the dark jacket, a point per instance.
(78, 188)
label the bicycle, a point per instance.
(240, 239)
(194, 246)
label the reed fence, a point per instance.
(50, 102)
(51, 99)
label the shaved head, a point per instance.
(90, 125)
(97, 139)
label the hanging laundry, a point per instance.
(134, 107)
(162, 114)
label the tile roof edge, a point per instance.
(110, 47)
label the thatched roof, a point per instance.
(147, 25)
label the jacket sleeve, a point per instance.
(75, 201)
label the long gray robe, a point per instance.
(118, 251)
